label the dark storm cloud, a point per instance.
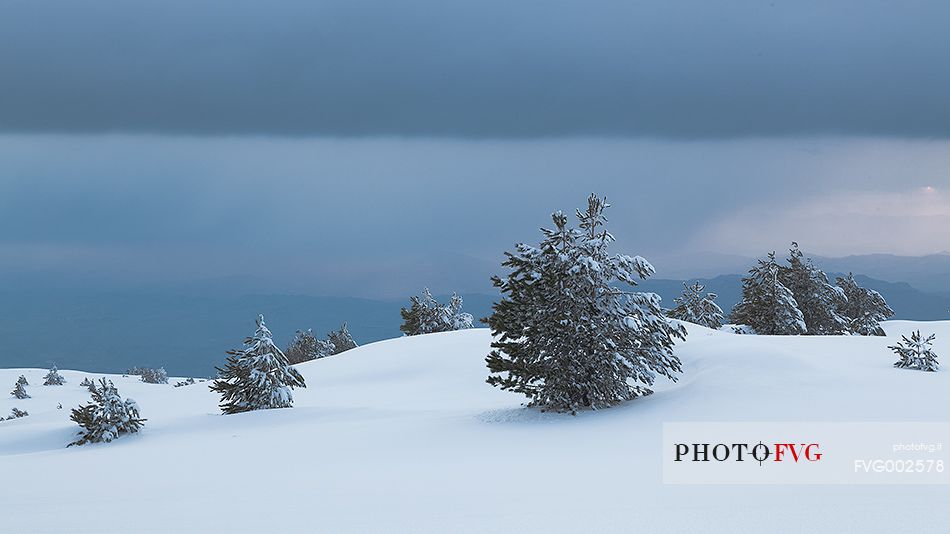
(377, 217)
(489, 68)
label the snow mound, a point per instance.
(405, 435)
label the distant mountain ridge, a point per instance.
(188, 335)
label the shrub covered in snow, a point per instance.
(186, 382)
(695, 307)
(916, 352)
(426, 315)
(257, 377)
(53, 378)
(568, 335)
(107, 417)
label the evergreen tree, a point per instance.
(257, 377)
(22, 380)
(456, 318)
(154, 376)
(863, 308)
(916, 352)
(567, 336)
(53, 378)
(87, 383)
(426, 315)
(341, 340)
(818, 300)
(305, 347)
(16, 413)
(19, 391)
(767, 306)
(694, 307)
(107, 417)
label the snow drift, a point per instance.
(405, 435)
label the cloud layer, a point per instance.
(374, 216)
(492, 68)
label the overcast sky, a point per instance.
(365, 148)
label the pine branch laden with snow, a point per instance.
(426, 315)
(817, 299)
(566, 337)
(107, 416)
(864, 309)
(53, 378)
(767, 306)
(916, 353)
(19, 390)
(257, 377)
(340, 340)
(22, 380)
(694, 307)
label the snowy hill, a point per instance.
(404, 435)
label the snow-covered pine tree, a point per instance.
(302, 348)
(16, 413)
(107, 417)
(916, 352)
(864, 308)
(695, 307)
(456, 318)
(53, 378)
(767, 306)
(305, 347)
(426, 315)
(19, 391)
(257, 377)
(154, 376)
(86, 382)
(341, 340)
(22, 380)
(567, 336)
(818, 300)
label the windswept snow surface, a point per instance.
(405, 436)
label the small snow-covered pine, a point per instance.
(767, 306)
(22, 380)
(568, 337)
(257, 377)
(19, 390)
(53, 378)
(818, 300)
(107, 417)
(916, 352)
(154, 376)
(305, 347)
(16, 413)
(458, 319)
(864, 308)
(695, 307)
(426, 315)
(341, 340)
